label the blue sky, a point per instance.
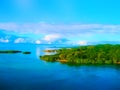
(51, 20)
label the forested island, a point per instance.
(10, 51)
(13, 52)
(91, 54)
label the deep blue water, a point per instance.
(28, 72)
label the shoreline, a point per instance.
(91, 54)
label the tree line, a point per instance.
(91, 54)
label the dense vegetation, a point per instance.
(10, 51)
(92, 54)
(13, 52)
(26, 52)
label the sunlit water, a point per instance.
(28, 72)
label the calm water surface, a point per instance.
(28, 72)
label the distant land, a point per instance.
(91, 54)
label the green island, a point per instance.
(13, 52)
(26, 52)
(10, 51)
(91, 54)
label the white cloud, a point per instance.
(4, 40)
(82, 42)
(19, 40)
(51, 37)
(67, 29)
(38, 42)
(9, 26)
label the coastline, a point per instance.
(91, 54)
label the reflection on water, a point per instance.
(38, 52)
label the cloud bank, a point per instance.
(59, 33)
(45, 28)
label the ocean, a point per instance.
(28, 72)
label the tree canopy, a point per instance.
(91, 54)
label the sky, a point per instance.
(68, 21)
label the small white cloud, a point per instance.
(4, 40)
(51, 37)
(19, 40)
(82, 42)
(38, 42)
(9, 26)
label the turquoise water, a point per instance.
(28, 72)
